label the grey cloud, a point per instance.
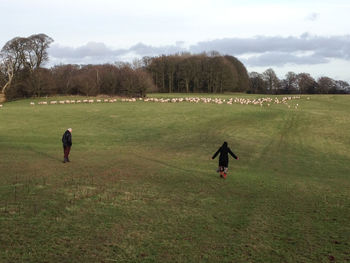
(261, 44)
(278, 51)
(281, 59)
(262, 50)
(145, 50)
(312, 17)
(91, 49)
(100, 53)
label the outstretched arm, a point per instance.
(232, 154)
(215, 154)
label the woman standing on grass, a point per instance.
(67, 144)
(224, 150)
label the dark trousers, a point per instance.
(66, 150)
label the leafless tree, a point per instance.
(22, 54)
(291, 81)
(37, 49)
(8, 72)
(306, 83)
(272, 81)
(326, 85)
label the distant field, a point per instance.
(141, 185)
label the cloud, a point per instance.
(312, 17)
(281, 59)
(146, 50)
(305, 49)
(261, 44)
(100, 53)
(91, 49)
(278, 51)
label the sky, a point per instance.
(300, 36)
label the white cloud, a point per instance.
(313, 16)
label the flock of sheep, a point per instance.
(73, 101)
(259, 101)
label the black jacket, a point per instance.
(67, 138)
(223, 158)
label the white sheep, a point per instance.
(32, 103)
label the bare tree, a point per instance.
(37, 49)
(20, 55)
(13, 53)
(257, 83)
(8, 71)
(272, 81)
(306, 83)
(342, 86)
(291, 83)
(326, 85)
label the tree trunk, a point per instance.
(170, 82)
(221, 91)
(10, 75)
(2, 97)
(156, 81)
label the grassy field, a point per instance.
(141, 185)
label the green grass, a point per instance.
(141, 186)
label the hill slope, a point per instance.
(141, 186)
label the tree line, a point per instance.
(209, 73)
(22, 75)
(302, 83)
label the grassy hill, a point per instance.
(141, 185)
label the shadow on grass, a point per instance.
(46, 154)
(166, 164)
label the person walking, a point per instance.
(224, 150)
(67, 144)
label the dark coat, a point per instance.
(223, 158)
(67, 138)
